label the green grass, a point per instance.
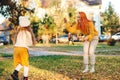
(5, 55)
(64, 67)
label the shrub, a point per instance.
(111, 42)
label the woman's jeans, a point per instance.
(89, 51)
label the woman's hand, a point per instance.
(85, 38)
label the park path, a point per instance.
(43, 52)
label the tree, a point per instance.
(72, 14)
(47, 27)
(48, 23)
(10, 10)
(110, 20)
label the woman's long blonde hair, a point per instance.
(83, 24)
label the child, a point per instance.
(24, 39)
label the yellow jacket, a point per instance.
(72, 28)
(92, 31)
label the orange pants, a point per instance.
(21, 56)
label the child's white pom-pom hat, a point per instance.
(24, 21)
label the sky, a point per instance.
(115, 3)
(1, 18)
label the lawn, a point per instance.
(66, 67)
(63, 68)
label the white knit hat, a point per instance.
(24, 21)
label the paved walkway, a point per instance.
(40, 52)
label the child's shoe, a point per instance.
(25, 78)
(15, 75)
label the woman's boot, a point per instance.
(92, 68)
(86, 68)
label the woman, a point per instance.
(24, 39)
(87, 28)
